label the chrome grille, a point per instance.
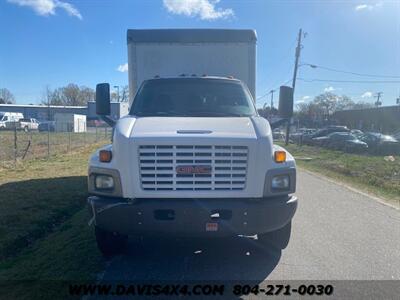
(157, 165)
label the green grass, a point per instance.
(372, 174)
(43, 225)
(34, 144)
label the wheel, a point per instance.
(110, 243)
(278, 238)
(26, 129)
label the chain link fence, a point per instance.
(21, 144)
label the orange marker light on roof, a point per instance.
(105, 155)
(280, 156)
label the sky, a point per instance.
(56, 42)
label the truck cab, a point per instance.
(193, 158)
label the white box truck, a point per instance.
(213, 52)
(193, 157)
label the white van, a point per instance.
(6, 117)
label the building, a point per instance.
(385, 119)
(44, 112)
(118, 110)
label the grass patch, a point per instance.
(372, 174)
(60, 142)
(43, 223)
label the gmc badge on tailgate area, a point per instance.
(193, 169)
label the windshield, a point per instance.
(1, 117)
(193, 97)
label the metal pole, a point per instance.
(272, 105)
(84, 132)
(48, 127)
(272, 99)
(15, 144)
(296, 66)
(69, 137)
(48, 141)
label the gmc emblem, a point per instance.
(193, 170)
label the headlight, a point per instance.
(280, 183)
(104, 182)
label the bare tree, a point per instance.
(70, 95)
(86, 94)
(6, 97)
(125, 94)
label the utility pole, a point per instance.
(272, 105)
(296, 66)
(272, 99)
(378, 97)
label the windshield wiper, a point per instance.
(169, 113)
(216, 114)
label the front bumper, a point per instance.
(192, 217)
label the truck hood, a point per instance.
(205, 127)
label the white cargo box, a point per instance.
(70, 122)
(172, 52)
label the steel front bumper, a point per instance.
(192, 217)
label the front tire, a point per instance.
(110, 243)
(278, 238)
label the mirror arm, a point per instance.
(110, 121)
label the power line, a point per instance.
(349, 81)
(349, 72)
(273, 90)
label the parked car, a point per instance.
(28, 124)
(297, 136)
(381, 144)
(310, 139)
(358, 133)
(330, 129)
(47, 126)
(320, 141)
(346, 142)
(278, 134)
(397, 136)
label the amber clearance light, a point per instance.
(280, 156)
(105, 155)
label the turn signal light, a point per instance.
(105, 155)
(280, 156)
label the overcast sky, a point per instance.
(55, 42)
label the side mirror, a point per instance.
(103, 99)
(285, 102)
